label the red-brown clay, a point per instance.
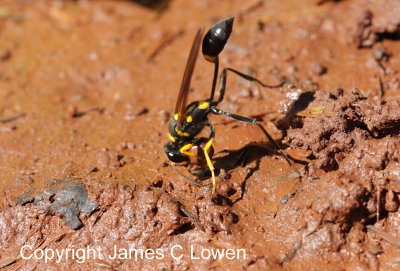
(87, 88)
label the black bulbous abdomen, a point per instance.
(216, 38)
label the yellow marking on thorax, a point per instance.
(203, 105)
(171, 138)
(176, 116)
(189, 119)
(180, 133)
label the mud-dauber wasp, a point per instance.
(189, 120)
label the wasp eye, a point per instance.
(177, 158)
(216, 38)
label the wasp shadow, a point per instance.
(229, 160)
(232, 159)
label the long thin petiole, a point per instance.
(214, 83)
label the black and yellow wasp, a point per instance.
(189, 120)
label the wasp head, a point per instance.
(173, 153)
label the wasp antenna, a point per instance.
(215, 39)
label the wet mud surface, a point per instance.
(87, 89)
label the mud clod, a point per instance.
(391, 201)
(67, 197)
(109, 159)
(365, 37)
(318, 69)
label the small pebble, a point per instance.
(318, 69)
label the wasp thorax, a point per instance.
(216, 38)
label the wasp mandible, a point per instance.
(190, 119)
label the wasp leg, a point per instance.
(186, 150)
(249, 120)
(215, 110)
(210, 165)
(208, 159)
(184, 176)
(277, 148)
(243, 75)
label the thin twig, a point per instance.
(166, 40)
(381, 87)
(11, 119)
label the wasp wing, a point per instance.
(181, 102)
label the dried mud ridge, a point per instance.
(357, 141)
(337, 124)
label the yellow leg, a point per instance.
(210, 165)
(185, 150)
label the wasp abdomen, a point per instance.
(216, 38)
